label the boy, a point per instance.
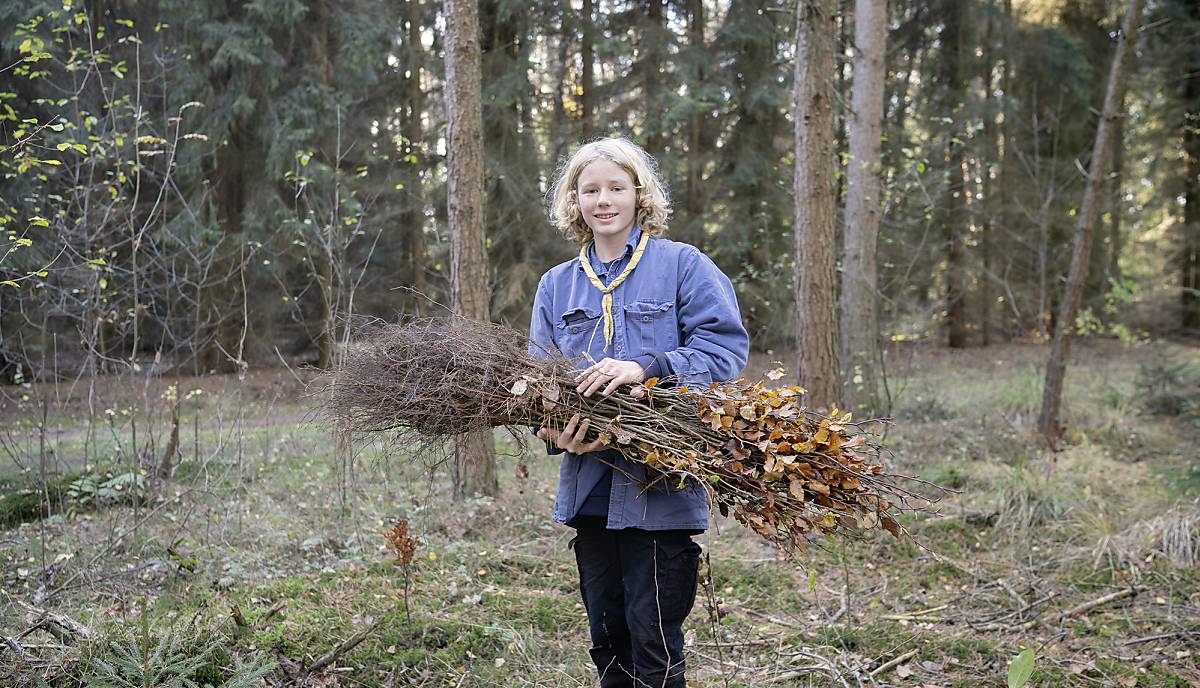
(632, 305)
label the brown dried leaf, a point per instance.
(818, 488)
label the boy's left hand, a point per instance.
(611, 371)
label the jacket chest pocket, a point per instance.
(651, 326)
(578, 330)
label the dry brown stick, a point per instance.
(919, 615)
(1082, 609)
(822, 663)
(1159, 636)
(896, 661)
(270, 613)
(19, 651)
(341, 648)
(844, 605)
(733, 665)
(238, 619)
(766, 617)
(995, 623)
(1012, 591)
(60, 620)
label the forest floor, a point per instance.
(264, 550)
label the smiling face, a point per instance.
(607, 200)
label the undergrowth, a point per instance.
(267, 520)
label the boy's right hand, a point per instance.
(572, 437)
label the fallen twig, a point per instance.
(920, 615)
(60, 620)
(842, 607)
(894, 662)
(19, 651)
(765, 617)
(1082, 609)
(270, 613)
(341, 648)
(822, 663)
(1159, 636)
(1012, 591)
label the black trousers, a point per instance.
(638, 586)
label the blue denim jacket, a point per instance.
(676, 304)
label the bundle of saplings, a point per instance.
(778, 467)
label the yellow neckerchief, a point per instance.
(606, 302)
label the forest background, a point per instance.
(196, 185)
(197, 197)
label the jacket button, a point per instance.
(645, 318)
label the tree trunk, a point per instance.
(1048, 419)
(413, 218)
(816, 316)
(474, 461)
(1189, 264)
(223, 296)
(587, 77)
(955, 60)
(325, 256)
(859, 324)
(694, 189)
(985, 156)
(653, 101)
(1116, 207)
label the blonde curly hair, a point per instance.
(652, 207)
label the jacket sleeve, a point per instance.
(541, 334)
(541, 322)
(714, 344)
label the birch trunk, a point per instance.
(859, 324)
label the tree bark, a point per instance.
(859, 324)
(474, 461)
(1048, 419)
(1116, 207)
(694, 189)
(1189, 263)
(955, 62)
(413, 217)
(654, 55)
(816, 317)
(325, 256)
(587, 77)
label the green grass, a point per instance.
(24, 498)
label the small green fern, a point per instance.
(148, 658)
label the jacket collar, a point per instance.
(631, 242)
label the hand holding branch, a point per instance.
(572, 437)
(613, 372)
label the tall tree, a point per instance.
(474, 459)
(695, 59)
(587, 79)
(1189, 255)
(956, 50)
(859, 325)
(1114, 98)
(413, 217)
(816, 317)
(752, 193)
